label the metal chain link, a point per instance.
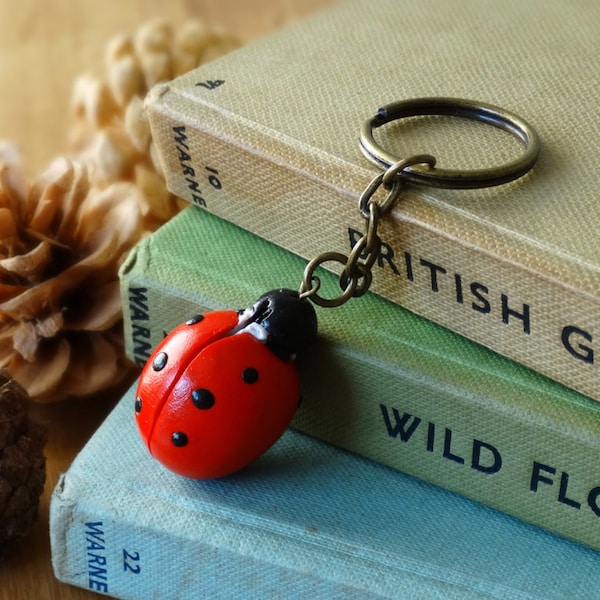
(355, 278)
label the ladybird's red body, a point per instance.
(213, 397)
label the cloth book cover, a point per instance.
(307, 520)
(386, 383)
(267, 137)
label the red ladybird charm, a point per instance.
(222, 388)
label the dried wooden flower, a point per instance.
(61, 245)
(110, 130)
(63, 237)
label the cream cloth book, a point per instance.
(267, 137)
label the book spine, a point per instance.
(134, 560)
(257, 184)
(128, 552)
(531, 466)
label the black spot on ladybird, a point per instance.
(250, 375)
(194, 320)
(138, 405)
(203, 398)
(179, 439)
(160, 361)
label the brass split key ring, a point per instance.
(453, 107)
(421, 169)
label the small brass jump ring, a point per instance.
(392, 172)
(390, 180)
(308, 290)
(365, 198)
(360, 285)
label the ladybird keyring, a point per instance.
(221, 388)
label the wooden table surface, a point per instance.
(44, 46)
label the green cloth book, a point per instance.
(387, 384)
(267, 137)
(307, 520)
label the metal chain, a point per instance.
(355, 278)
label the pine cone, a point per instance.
(110, 129)
(63, 238)
(61, 244)
(22, 463)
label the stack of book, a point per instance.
(414, 447)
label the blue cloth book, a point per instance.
(307, 520)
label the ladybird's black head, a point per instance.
(290, 322)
